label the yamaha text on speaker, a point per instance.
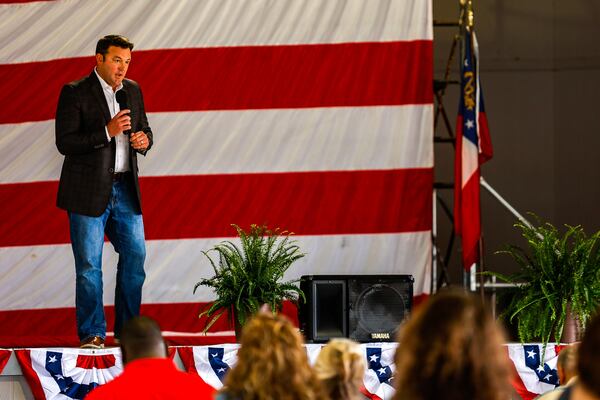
(365, 308)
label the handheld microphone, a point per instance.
(122, 100)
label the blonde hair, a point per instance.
(451, 349)
(341, 366)
(272, 363)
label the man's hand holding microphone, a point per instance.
(121, 123)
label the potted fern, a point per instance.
(558, 285)
(248, 276)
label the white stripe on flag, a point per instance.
(76, 25)
(469, 160)
(222, 142)
(47, 382)
(174, 266)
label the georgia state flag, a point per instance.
(68, 373)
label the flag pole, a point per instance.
(466, 21)
(503, 201)
(481, 264)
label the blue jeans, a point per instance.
(124, 227)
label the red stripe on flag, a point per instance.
(368, 394)
(55, 327)
(559, 347)
(458, 176)
(24, 358)
(4, 357)
(471, 217)
(306, 203)
(171, 352)
(29, 215)
(96, 361)
(518, 385)
(485, 141)
(235, 78)
(187, 358)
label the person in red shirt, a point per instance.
(149, 373)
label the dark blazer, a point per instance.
(81, 117)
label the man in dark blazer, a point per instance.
(99, 185)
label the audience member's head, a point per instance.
(451, 349)
(141, 338)
(566, 365)
(148, 373)
(340, 366)
(272, 363)
(588, 359)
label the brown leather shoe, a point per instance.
(93, 342)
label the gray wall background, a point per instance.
(540, 73)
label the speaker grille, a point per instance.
(377, 309)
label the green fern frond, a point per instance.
(556, 271)
(249, 274)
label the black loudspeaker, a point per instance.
(365, 308)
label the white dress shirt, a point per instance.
(122, 141)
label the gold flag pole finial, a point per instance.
(470, 17)
(466, 19)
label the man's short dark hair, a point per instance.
(112, 40)
(141, 338)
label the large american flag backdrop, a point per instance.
(313, 116)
